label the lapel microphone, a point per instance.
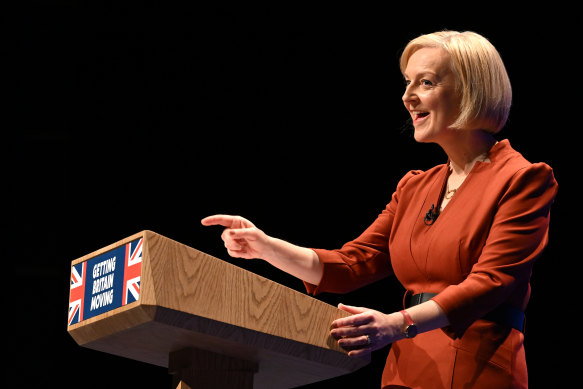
(430, 216)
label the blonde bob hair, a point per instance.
(486, 94)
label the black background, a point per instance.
(132, 116)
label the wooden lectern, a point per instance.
(213, 324)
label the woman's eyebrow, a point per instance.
(422, 74)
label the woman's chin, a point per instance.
(421, 136)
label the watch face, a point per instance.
(411, 331)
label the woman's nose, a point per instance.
(408, 95)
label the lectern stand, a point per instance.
(212, 324)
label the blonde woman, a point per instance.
(461, 237)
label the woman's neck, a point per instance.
(466, 148)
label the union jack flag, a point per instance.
(77, 292)
(132, 272)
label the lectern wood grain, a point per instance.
(189, 299)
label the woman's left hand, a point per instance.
(366, 330)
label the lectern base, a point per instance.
(194, 368)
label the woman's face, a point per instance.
(430, 95)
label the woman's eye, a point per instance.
(422, 82)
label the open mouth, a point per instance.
(420, 115)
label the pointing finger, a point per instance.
(220, 220)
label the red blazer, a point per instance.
(478, 254)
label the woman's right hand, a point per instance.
(242, 239)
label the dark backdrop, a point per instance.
(150, 116)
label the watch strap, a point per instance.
(408, 318)
(410, 330)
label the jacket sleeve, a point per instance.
(517, 237)
(364, 260)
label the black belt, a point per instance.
(504, 315)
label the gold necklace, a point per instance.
(449, 192)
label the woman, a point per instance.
(461, 237)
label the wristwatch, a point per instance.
(410, 329)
